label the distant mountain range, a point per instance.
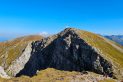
(116, 38)
(3, 39)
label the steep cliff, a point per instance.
(10, 50)
(68, 51)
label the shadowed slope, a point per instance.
(72, 50)
(66, 51)
(10, 50)
(109, 50)
(53, 75)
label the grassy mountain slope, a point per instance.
(53, 75)
(110, 50)
(10, 50)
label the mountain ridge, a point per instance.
(8, 48)
(71, 50)
(65, 35)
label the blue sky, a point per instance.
(22, 17)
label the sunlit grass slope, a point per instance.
(53, 75)
(10, 50)
(109, 49)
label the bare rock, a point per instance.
(64, 51)
(3, 73)
(20, 62)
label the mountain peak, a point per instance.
(70, 50)
(67, 52)
(68, 31)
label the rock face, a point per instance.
(12, 49)
(20, 62)
(64, 51)
(3, 73)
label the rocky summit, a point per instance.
(70, 50)
(65, 51)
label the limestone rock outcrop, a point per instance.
(20, 62)
(3, 73)
(64, 51)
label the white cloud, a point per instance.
(45, 34)
(67, 26)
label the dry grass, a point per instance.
(10, 50)
(108, 51)
(15, 48)
(53, 75)
(107, 80)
